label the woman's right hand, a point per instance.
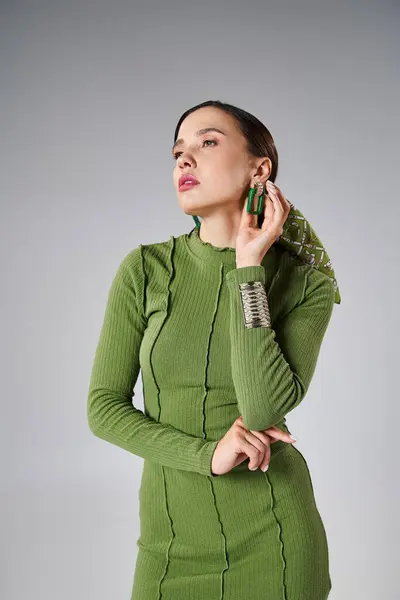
(240, 443)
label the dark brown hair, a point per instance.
(259, 139)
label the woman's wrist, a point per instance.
(252, 263)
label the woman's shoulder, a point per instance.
(148, 259)
(151, 251)
(288, 264)
(295, 280)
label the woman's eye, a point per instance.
(178, 153)
(213, 141)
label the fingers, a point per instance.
(269, 211)
(278, 434)
(257, 448)
(257, 444)
(273, 432)
(276, 210)
(279, 213)
(280, 208)
(276, 192)
(266, 440)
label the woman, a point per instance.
(226, 325)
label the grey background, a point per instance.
(90, 95)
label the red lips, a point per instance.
(187, 180)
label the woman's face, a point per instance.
(219, 161)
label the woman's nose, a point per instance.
(185, 159)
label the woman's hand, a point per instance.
(240, 443)
(252, 243)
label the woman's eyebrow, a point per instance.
(198, 133)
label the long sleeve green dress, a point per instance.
(174, 311)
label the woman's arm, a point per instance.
(272, 368)
(111, 414)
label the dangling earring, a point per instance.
(197, 221)
(259, 190)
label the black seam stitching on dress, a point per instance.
(143, 286)
(172, 534)
(279, 536)
(204, 432)
(168, 304)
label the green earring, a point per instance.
(197, 221)
(259, 190)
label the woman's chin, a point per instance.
(191, 210)
(190, 207)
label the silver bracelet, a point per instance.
(255, 304)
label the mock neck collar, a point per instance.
(207, 252)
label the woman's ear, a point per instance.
(264, 169)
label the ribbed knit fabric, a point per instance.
(174, 311)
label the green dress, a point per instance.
(174, 311)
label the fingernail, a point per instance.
(265, 468)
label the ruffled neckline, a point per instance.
(207, 252)
(216, 248)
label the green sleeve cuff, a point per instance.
(207, 453)
(245, 274)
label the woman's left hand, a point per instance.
(252, 243)
(273, 432)
(268, 436)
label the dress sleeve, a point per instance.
(110, 411)
(272, 367)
